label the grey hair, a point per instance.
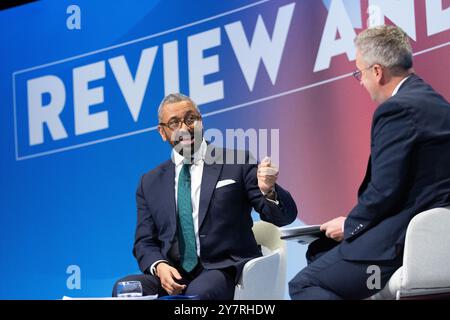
(174, 98)
(386, 45)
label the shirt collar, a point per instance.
(398, 86)
(178, 159)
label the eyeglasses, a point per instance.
(358, 73)
(189, 120)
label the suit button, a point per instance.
(361, 226)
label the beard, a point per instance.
(187, 142)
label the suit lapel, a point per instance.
(168, 190)
(211, 172)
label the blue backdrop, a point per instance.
(80, 83)
(68, 199)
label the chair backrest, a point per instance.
(425, 271)
(426, 257)
(268, 235)
(264, 277)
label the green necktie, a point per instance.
(186, 233)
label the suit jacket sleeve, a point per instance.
(279, 215)
(393, 136)
(146, 246)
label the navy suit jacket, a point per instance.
(408, 172)
(225, 222)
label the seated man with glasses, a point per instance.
(194, 225)
(408, 172)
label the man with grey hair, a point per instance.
(408, 172)
(194, 227)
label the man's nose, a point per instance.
(184, 126)
(183, 130)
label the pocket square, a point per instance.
(223, 183)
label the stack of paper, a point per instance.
(303, 234)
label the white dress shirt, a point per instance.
(196, 171)
(398, 86)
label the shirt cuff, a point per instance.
(271, 196)
(273, 201)
(153, 267)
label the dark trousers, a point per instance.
(202, 283)
(329, 277)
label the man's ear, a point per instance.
(162, 133)
(379, 74)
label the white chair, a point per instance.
(264, 278)
(426, 260)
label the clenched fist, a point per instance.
(267, 175)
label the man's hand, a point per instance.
(267, 175)
(334, 229)
(168, 274)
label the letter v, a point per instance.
(133, 90)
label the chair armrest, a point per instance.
(258, 275)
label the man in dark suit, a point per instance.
(408, 172)
(194, 228)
